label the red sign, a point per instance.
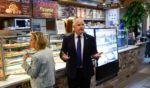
(47, 9)
(26, 9)
(10, 8)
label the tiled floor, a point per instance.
(142, 78)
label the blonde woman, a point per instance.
(42, 68)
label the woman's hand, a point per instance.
(25, 56)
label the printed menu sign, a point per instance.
(10, 8)
(15, 7)
(25, 9)
(45, 9)
(60, 27)
(66, 11)
(26, 1)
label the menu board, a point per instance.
(66, 11)
(45, 9)
(25, 9)
(25, 1)
(15, 7)
(63, 11)
(10, 8)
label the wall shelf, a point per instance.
(10, 15)
(79, 4)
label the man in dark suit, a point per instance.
(77, 51)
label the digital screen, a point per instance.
(89, 31)
(106, 40)
(21, 23)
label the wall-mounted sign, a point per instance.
(15, 7)
(60, 26)
(112, 17)
(26, 1)
(45, 9)
(25, 9)
(66, 11)
(10, 8)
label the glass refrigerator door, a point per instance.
(56, 44)
(122, 37)
(89, 31)
(106, 40)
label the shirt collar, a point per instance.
(76, 36)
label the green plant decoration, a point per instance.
(134, 15)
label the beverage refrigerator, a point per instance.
(107, 66)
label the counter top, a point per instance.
(15, 79)
(140, 43)
(131, 47)
(128, 48)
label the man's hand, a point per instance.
(97, 55)
(65, 57)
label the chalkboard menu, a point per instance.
(15, 7)
(45, 9)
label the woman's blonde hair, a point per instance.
(41, 40)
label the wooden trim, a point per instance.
(78, 4)
(5, 15)
(112, 6)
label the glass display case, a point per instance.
(89, 31)
(107, 65)
(122, 39)
(106, 40)
(2, 72)
(55, 44)
(12, 50)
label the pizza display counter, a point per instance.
(12, 50)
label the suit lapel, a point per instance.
(72, 41)
(85, 44)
